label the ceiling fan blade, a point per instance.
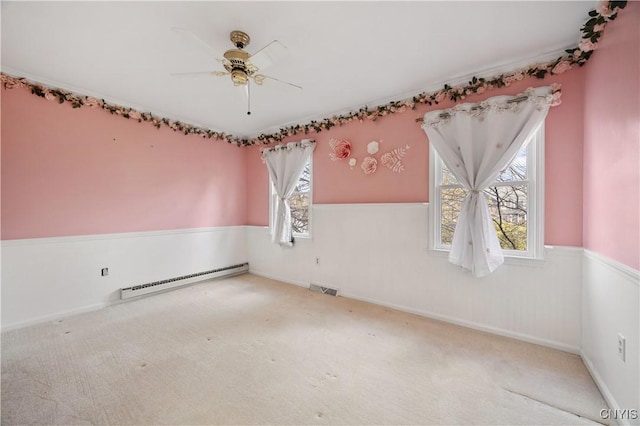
(191, 36)
(268, 55)
(259, 79)
(185, 74)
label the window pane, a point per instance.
(304, 183)
(300, 212)
(508, 207)
(450, 204)
(517, 170)
(447, 177)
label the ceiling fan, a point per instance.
(242, 66)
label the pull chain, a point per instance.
(248, 97)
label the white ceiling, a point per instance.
(345, 54)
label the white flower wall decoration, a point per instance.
(392, 159)
(373, 147)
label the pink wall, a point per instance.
(612, 141)
(82, 171)
(334, 182)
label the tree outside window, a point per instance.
(509, 199)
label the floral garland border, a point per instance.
(591, 34)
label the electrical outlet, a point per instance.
(104, 272)
(622, 347)
(317, 260)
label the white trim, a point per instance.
(535, 226)
(278, 278)
(140, 234)
(339, 205)
(616, 266)
(59, 315)
(257, 227)
(602, 386)
(433, 231)
(472, 325)
(564, 250)
(527, 261)
(451, 320)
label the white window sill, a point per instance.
(508, 260)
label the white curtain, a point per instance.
(285, 164)
(476, 142)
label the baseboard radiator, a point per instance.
(227, 271)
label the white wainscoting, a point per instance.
(611, 305)
(378, 253)
(48, 278)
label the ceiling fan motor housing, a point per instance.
(240, 39)
(236, 66)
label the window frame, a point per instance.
(535, 200)
(272, 194)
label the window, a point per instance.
(300, 202)
(515, 202)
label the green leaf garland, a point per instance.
(592, 32)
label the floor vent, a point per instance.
(324, 290)
(155, 286)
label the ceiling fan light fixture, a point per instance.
(239, 77)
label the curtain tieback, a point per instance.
(474, 191)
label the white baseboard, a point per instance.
(57, 316)
(602, 386)
(468, 324)
(472, 325)
(278, 278)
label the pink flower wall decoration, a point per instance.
(135, 115)
(587, 45)
(561, 67)
(369, 165)
(604, 9)
(91, 102)
(340, 149)
(49, 96)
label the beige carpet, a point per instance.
(248, 350)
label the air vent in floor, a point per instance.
(324, 290)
